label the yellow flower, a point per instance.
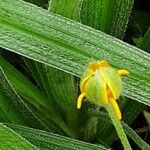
(102, 85)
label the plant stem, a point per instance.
(118, 127)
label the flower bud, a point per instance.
(101, 84)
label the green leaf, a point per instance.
(60, 93)
(67, 8)
(135, 137)
(13, 108)
(9, 113)
(110, 16)
(39, 73)
(64, 87)
(66, 92)
(144, 43)
(142, 19)
(46, 141)
(147, 117)
(49, 119)
(59, 88)
(69, 46)
(40, 3)
(11, 140)
(23, 85)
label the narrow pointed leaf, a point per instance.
(13, 108)
(135, 137)
(46, 141)
(11, 140)
(147, 117)
(69, 46)
(9, 113)
(145, 41)
(67, 8)
(28, 108)
(64, 88)
(40, 3)
(110, 16)
(23, 85)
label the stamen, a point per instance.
(80, 99)
(116, 108)
(122, 72)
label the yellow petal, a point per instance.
(93, 66)
(122, 72)
(80, 99)
(84, 81)
(98, 64)
(103, 63)
(116, 108)
(113, 80)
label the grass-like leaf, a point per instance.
(58, 85)
(11, 140)
(67, 8)
(46, 141)
(147, 117)
(40, 3)
(49, 119)
(145, 41)
(110, 16)
(69, 46)
(24, 86)
(13, 108)
(9, 113)
(135, 137)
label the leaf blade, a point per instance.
(144, 42)
(46, 140)
(135, 137)
(68, 8)
(71, 45)
(9, 138)
(44, 115)
(109, 16)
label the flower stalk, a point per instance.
(102, 85)
(118, 127)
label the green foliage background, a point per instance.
(39, 87)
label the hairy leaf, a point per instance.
(136, 138)
(145, 41)
(23, 85)
(11, 140)
(31, 109)
(110, 16)
(147, 117)
(46, 141)
(9, 113)
(67, 8)
(13, 109)
(69, 46)
(40, 3)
